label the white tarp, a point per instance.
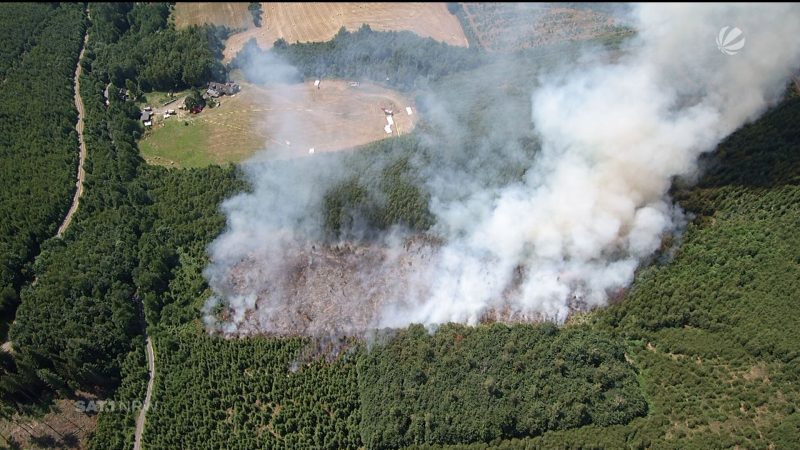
(390, 120)
(388, 129)
(409, 111)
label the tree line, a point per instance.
(399, 59)
(139, 44)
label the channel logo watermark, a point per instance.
(730, 40)
(98, 406)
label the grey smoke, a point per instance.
(592, 204)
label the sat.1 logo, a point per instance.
(730, 40)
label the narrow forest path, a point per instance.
(151, 367)
(82, 158)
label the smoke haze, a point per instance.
(590, 206)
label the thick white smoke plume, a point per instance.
(593, 203)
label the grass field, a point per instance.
(286, 119)
(176, 143)
(313, 22)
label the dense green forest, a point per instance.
(465, 384)
(382, 191)
(78, 322)
(39, 149)
(448, 387)
(699, 354)
(21, 23)
(136, 43)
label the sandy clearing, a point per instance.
(334, 117)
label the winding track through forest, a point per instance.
(151, 367)
(82, 159)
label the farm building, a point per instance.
(146, 116)
(217, 89)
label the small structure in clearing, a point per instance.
(389, 120)
(216, 89)
(146, 115)
(335, 118)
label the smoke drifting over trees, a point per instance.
(586, 209)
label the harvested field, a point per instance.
(315, 22)
(512, 26)
(232, 14)
(291, 118)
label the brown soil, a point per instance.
(65, 427)
(299, 117)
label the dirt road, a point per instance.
(82, 158)
(151, 367)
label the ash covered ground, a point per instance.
(330, 291)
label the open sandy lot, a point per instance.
(290, 120)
